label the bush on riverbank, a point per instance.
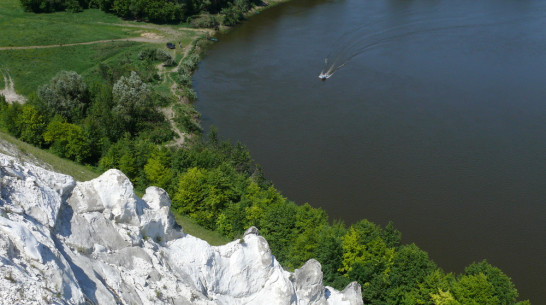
(187, 118)
(205, 21)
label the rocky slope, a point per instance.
(96, 242)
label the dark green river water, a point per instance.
(437, 121)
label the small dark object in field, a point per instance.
(171, 45)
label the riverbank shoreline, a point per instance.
(211, 33)
(257, 9)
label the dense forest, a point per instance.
(110, 119)
(159, 11)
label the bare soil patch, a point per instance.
(152, 36)
(9, 91)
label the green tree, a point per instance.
(225, 187)
(127, 164)
(132, 98)
(368, 260)
(191, 192)
(97, 138)
(110, 158)
(391, 236)
(277, 227)
(157, 171)
(4, 106)
(329, 253)
(31, 125)
(258, 199)
(122, 8)
(66, 95)
(309, 223)
(433, 283)
(232, 15)
(410, 267)
(504, 289)
(232, 220)
(48, 6)
(100, 111)
(474, 289)
(67, 140)
(443, 298)
(10, 118)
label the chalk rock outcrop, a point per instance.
(96, 242)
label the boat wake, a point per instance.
(364, 38)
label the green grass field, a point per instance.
(31, 68)
(20, 28)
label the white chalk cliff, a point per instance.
(96, 242)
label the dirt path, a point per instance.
(9, 90)
(139, 39)
(162, 28)
(168, 112)
(144, 37)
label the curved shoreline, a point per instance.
(222, 30)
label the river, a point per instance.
(437, 123)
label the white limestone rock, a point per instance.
(111, 193)
(32, 269)
(157, 221)
(309, 283)
(96, 242)
(352, 294)
(43, 190)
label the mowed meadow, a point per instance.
(20, 28)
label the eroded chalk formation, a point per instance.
(96, 242)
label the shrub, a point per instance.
(147, 54)
(189, 63)
(205, 21)
(187, 118)
(190, 94)
(162, 55)
(232, 15)
(66, 95)
(67, 140)
(184, 79)
(132, 97)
